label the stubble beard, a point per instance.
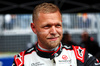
(53, 44)
(50, 44)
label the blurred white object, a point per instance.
(7, 18)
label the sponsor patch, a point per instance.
(37, 64)
(64, 57)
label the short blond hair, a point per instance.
(44, 8)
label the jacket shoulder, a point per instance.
(19, 58)
(30, 50)
(79, 53)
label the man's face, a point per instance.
(48, 28)
(84, 36)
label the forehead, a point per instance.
(56, 14)
(56, 17)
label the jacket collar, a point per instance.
(48, 54)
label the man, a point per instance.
(49, 51)
(89, 43)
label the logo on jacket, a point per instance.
(37, 64)
(64, 57)
(19, 59)
(80, 52)
(65, 60)
(89, 55)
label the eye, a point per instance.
(58, 25)
(47, 26)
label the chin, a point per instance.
(54, 44)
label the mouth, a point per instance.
(53, 38)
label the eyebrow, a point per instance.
(51, 24)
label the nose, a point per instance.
(53, 30)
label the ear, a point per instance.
(33, 27)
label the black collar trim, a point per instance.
(48, 54)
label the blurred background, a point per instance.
(15, 18)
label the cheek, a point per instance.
(43, 33)
(60, 31)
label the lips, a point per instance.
(53, 38)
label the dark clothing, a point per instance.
(70, 43)
(65, 55)
(90, 45)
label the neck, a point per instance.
(54, 49)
